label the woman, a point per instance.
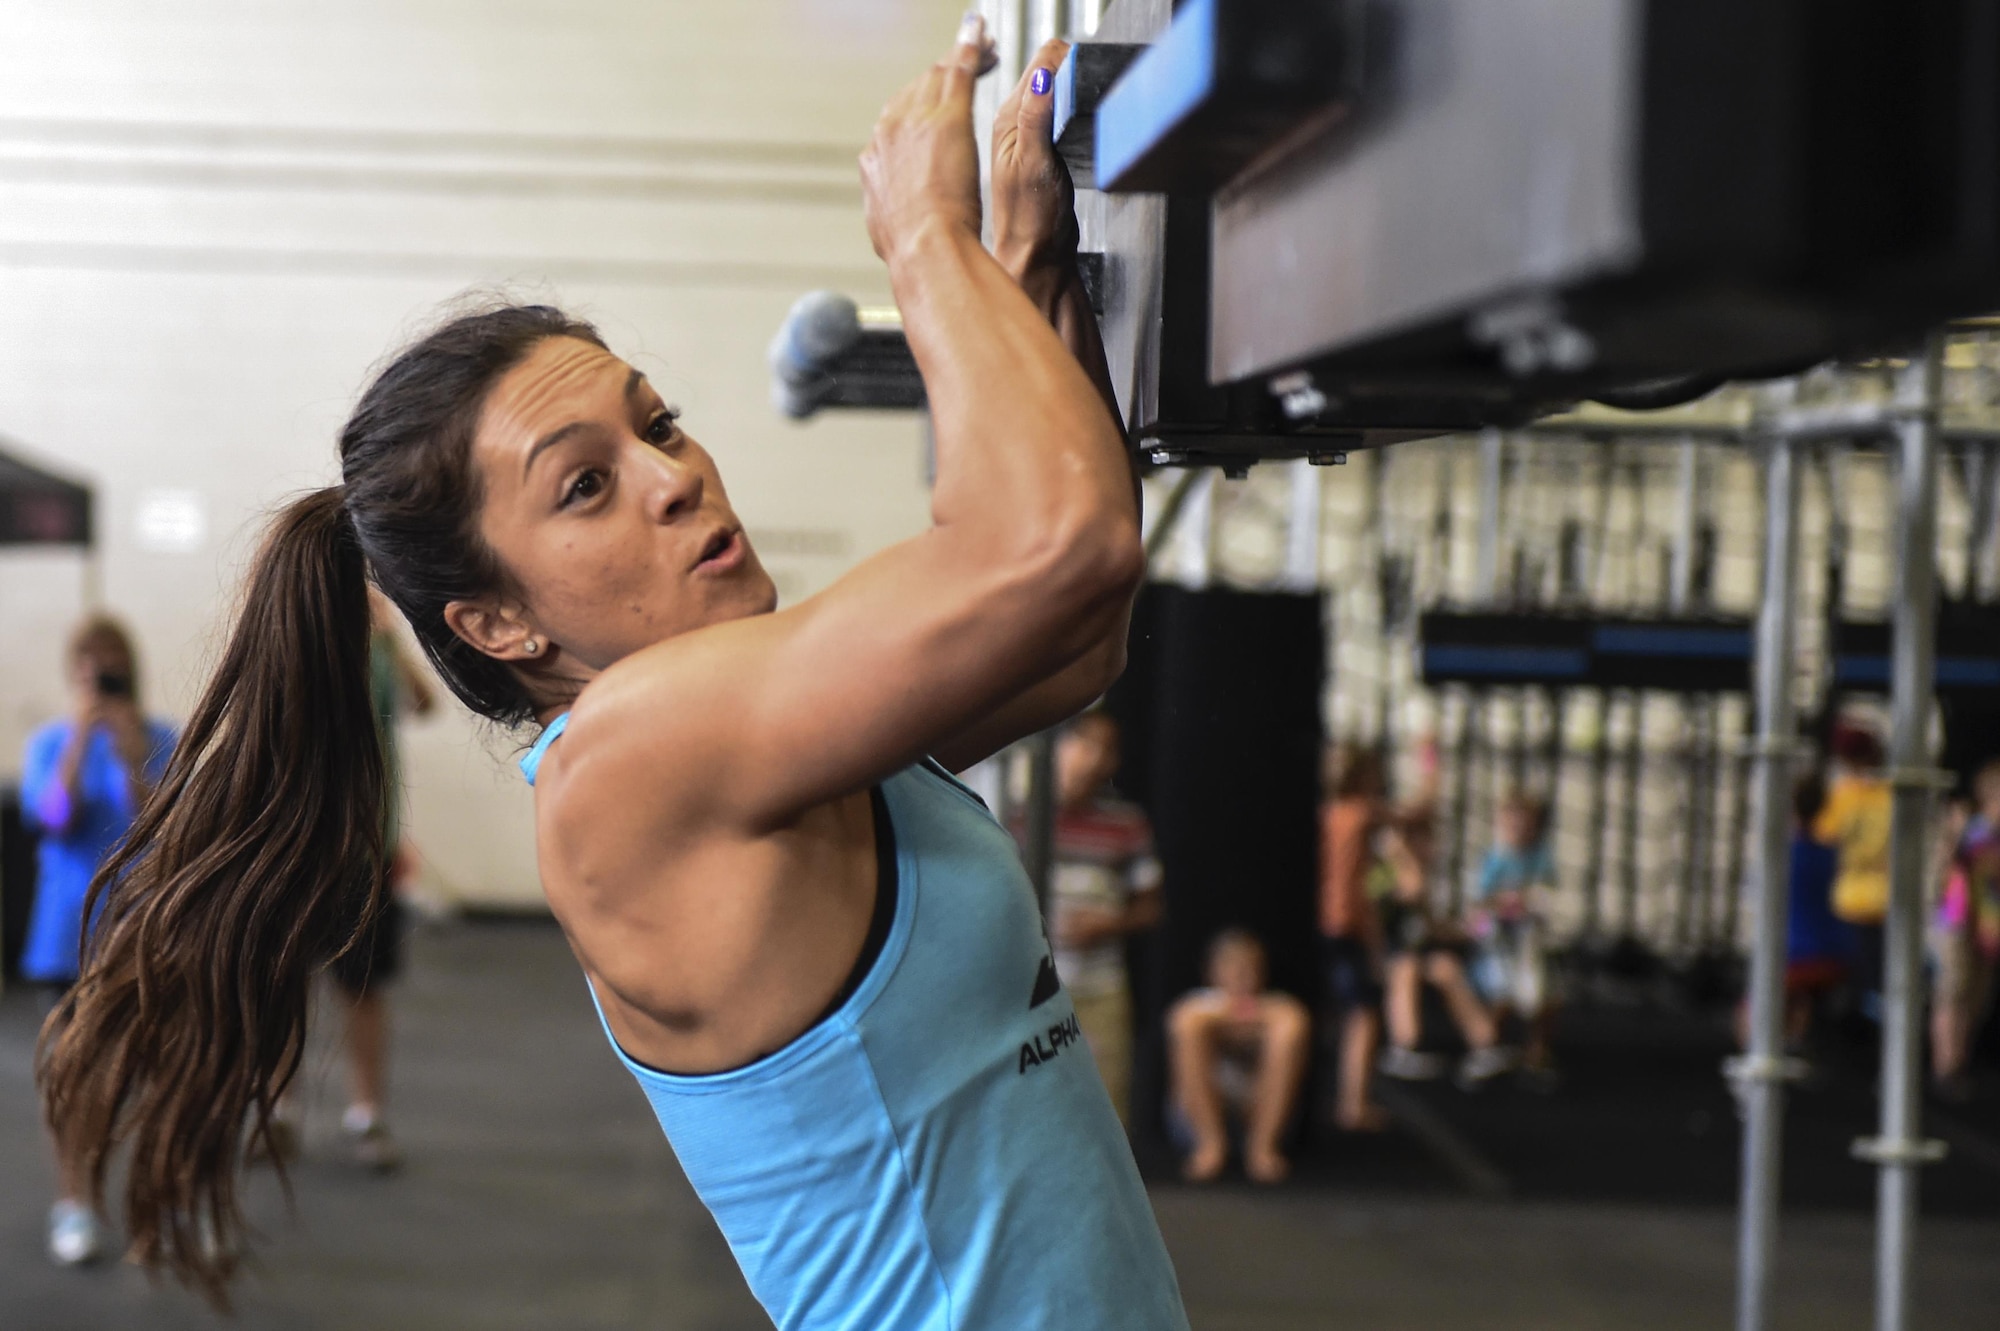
(818, 955)
(81, 780)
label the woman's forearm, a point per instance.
(1025, 445)
(1057, 290)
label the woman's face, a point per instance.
(611, 520)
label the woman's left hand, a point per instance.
(1033, 201)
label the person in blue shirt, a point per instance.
(82, 779)
(817, 954)
(1511, 967)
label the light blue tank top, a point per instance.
(938, 1152)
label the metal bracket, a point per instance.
(1909, 1151)
(1745, 1070)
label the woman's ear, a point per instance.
(499, 630)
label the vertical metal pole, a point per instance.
(1469, 719)
(1680, 569)
(1593, 822)
(1735, 833)
(1899, 1151)
(1628, 817)
(1976, 466)
(1761, 1075)
(1492, 481)
(1302, 524)
(1038, 850)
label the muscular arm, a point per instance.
(1035, 239)
(1059, 293)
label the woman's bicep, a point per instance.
(757, 720)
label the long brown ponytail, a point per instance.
(240, 877)
(236, 884)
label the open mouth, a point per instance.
(721, 550)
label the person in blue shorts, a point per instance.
(816, 952)
(83, 778)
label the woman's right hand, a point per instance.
(921, 168)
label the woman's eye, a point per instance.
(662, 428)
(587, 485)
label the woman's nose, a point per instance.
(675, 489)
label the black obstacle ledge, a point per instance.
(1708, 655)
(38, 507)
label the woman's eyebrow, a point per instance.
(562, 432)
(551, 439)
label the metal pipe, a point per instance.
(1733, 848)
(1593, 823)
(1627, 926)
(1158, 525)
(1680, 575)
(1759, 1076)
(1899, 1151)
(1038, 849)
(1469, 719)
(1492, 481)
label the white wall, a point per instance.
(216, 215)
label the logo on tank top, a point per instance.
(1050, 1043)
(1047, 986)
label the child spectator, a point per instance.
(1105, 885)
(1966, 943)
(1419, 948)
(1239, 1046)
(1511, 967)
(1855, 822)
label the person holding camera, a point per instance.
(82, 780)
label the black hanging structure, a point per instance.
(38, 507)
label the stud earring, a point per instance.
(531, 647)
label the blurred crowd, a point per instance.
(1393, 953)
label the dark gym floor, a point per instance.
(540, 1194)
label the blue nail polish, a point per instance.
(1038, 82)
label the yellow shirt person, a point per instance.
(1855, 822)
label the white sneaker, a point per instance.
(1409, 1064)
(374, 1148)
(1483, 1065)
(75, 1236)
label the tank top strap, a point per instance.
(531, 761)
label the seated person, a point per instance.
(1237, 1046)
(1419, 949)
